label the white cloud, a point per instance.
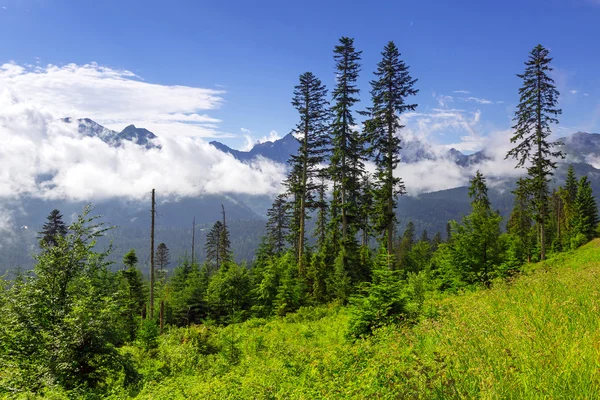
(573, 91)
(479, 101)
(46, 158)
(113, 98)
(585, 94)
(461, 91)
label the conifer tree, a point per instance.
(225, 242)
(162, 256)
(569, 196)
(586, 210)
(536, 111)
(390, 89)
(322, 208)
(53, 227)
(520, 222)
(347, 152)
(365, 205)
(135, 298)
(475, 244)
(277, 224)
(217, 246)
(312, 133)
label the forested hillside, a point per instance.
(343, 297)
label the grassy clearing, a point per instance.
(535, 337)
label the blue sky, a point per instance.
(255, 51)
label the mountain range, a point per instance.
(140, 136)
(246, 213)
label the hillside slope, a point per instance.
(535, 337)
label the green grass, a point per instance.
(536, 337)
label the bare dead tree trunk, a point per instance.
(193, 238)
(152, 258)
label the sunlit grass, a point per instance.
(536, 337)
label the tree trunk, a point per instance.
(152, 259)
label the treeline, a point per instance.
(63, 323)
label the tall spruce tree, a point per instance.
(53, 227)
(520, 223)
(162, 256)
(586, 210)
(212, 246)
(322, 208)
(217, 246)
(390, 89)
(476, 247)
(225, 242)
(312, 133)
(347, 152)
(536, 111)
(277, 224)
(365, 205)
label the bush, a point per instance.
(579, 240)
(384, 301)
(148, 334)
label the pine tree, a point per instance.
(346, 160)
(224, 241)
(570, 194)
(135, 294)
(536, 111)
(520, 223)
(162, 256)
(586, 210)
(405, 245)
(213, 246)
(322, 208)
(52, 228)
(388, 95)
(312, 132)
(277, 224)
(476, 244)
(365, 204)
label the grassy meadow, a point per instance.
(534, 337)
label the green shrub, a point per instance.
(147, 335)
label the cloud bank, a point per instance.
(113, 98)
(45, 158)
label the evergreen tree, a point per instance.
(476, 244)
(365, 204)
(424, 236)
(436, 241)
(224, 241)
(277, 224)
(569, 196)
(162, 256)
(312, 132)
(403, 250)
(135, 296)
(586, 211)
(571, 184)
(392, 86)
(536, 111)
(63, 328)
(520, 222)
(321, 204)
(212, 246)
(53, 227)
(346, 160)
